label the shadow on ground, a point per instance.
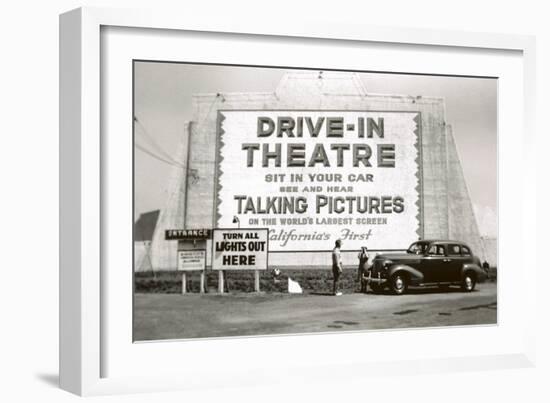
(49, 379)
(427, 290)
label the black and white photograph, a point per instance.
(273, 201)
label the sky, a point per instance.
(162, 97)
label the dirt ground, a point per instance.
(173, 316)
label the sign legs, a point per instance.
(202, 288)
(220, 281)
(256, 280)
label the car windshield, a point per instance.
(418, 248)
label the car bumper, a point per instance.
(375, 279)
(378, 281)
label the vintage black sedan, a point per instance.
(426, 263)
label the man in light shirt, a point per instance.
(336, 267)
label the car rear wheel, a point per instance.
(468, 282)
(399, 283)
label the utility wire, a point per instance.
(151, 154)
(159, 150)
(164, 156)
(144, 133)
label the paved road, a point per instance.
(172, 316)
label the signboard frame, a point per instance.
(90, 341)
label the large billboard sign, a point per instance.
(312, 177)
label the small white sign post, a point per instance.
(191, 260)
(220, 282)
(256, 280)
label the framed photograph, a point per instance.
(238, 198)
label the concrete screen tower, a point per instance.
(446, 210)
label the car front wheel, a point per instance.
(398, 284)
(468, 282)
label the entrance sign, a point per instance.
(312, 177)
(187, 234)
(189, 260)
(240, 249)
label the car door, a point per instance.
(433, 263)
(453, 264)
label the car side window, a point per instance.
(466, 251)
(454, 250)
(436, 250)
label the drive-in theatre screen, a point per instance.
(246, 178)
(312, 177)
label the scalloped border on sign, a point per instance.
(218, 170)
(419, 175)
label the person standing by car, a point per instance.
(363, 257)
(485, 267)
(336, 267)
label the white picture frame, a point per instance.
(85, 310)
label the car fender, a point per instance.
(480, 273)
(415, 275)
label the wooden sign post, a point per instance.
(191, 253)
(203, 285)
(256, 280)
(220, 281)
(191, 260)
